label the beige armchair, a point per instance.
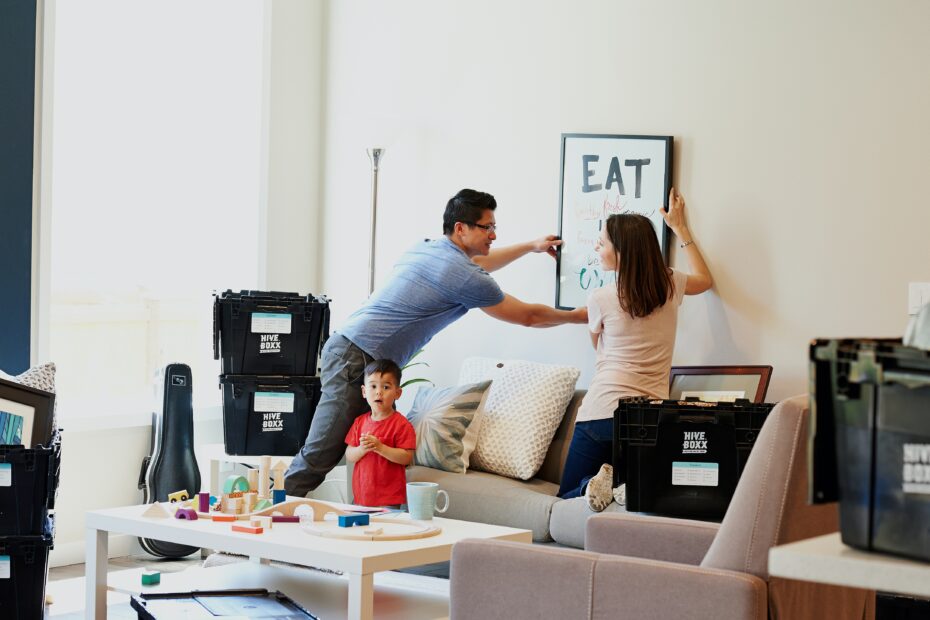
(642, 567)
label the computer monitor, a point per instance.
(719, 383)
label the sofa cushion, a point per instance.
(487, 498)
(567, 524)
(524, 407)
(446, 421)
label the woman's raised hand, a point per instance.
(675, 215)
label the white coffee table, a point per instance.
(285, 542)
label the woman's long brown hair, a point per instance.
(644, 283)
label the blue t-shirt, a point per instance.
(433, 284)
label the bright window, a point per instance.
(156, 182)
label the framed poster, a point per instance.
(25, 415)
(719, 383)
(603, 175)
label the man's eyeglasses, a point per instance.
(488, 228)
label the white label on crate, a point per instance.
(694, 442)
(6, 474)
(4, 567)
(277, 402)
(695, 474)
(271, 323)
(915, 476)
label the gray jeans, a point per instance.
(341, 376)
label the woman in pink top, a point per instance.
(633, 331)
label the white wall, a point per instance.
(100, 465)
(800, 144)
(295, 65)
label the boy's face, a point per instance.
(381, 390)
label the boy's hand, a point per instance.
(370, 443)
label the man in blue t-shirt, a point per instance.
(433, 284)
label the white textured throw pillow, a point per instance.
(521, 414)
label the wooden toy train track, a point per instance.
(379, 528)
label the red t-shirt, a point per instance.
(377, 481)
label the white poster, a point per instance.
(603, 175)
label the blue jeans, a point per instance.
(591, 447)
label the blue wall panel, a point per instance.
(17, 101)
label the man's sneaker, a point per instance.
(599, 492)
(620, 494)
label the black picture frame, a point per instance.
(754, 379)
(34, 407)
(648, 183)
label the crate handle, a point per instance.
(907, 379)
(703, 419)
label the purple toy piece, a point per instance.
(188, 514)
(284, 519)
(204, 499)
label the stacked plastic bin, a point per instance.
(28, 484)
(684, 458)
(268, 344)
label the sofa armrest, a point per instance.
(497, 579)
(656, 538)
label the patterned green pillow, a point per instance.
(446, 421)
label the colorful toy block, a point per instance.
(179, 496)
(264, 470)
(221, 516)
(203, 500)
(284, 519)
(186, 514)
(235, 483)
(278, 496)
(151, 577)
(261, 505)
(156, 511)
(278, 471)
(352, 520)
(262, 522)
(247, 529)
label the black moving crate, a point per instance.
(683, 458)
(872, 399)
(269, 333)
(209, 604)
(23, 572)
(267, 414)
(28, 483)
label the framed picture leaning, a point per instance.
(25, 415)
(602, 175)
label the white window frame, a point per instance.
(42, 207)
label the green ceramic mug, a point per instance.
(422, 498)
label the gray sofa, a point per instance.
(532, 504)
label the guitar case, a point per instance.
(171, 465)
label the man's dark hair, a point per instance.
(467, 206)
(383, 367)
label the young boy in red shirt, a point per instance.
(382, 441)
